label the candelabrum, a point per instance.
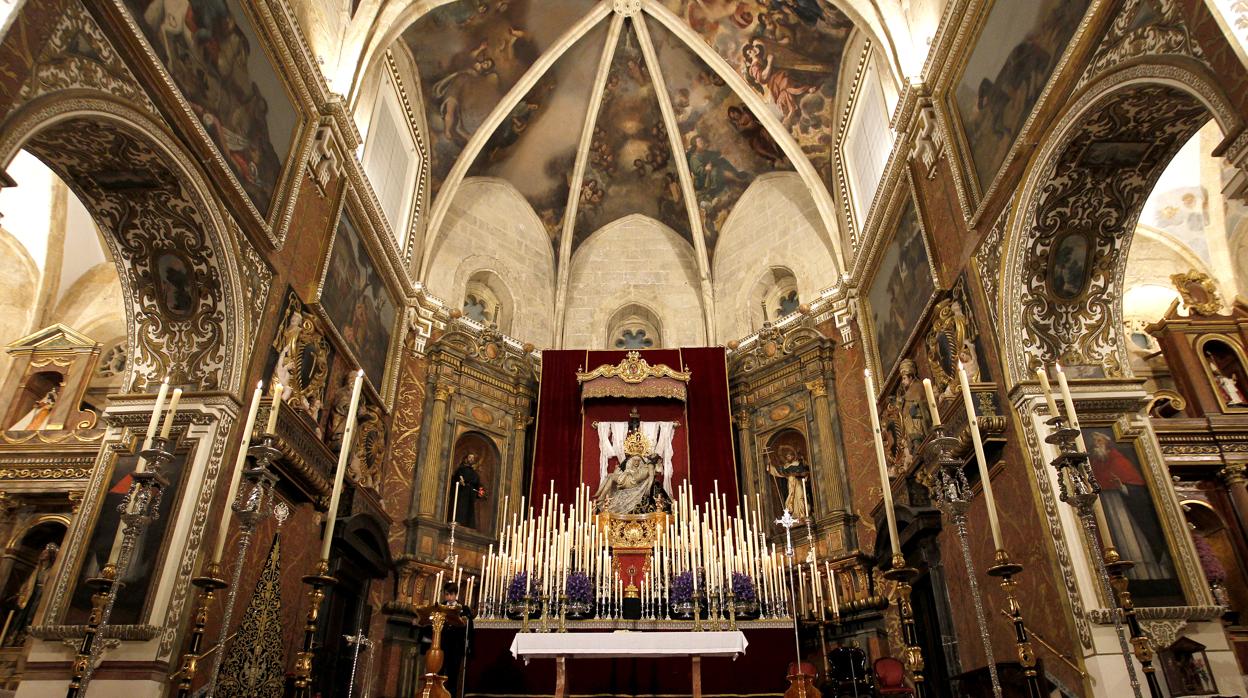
(952, 492)
(140, 508)
(1077, 486)
(252, 504)
(526, 609)
(545, 619)
(317, 583)
(207, 584)
(563, 612)
(696, 598)
(732, 610)
(904, 576)
(451, 556)
(1007, 570)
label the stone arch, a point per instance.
(638, 319)
(175, 255)
(490, 291)
(1066, 244)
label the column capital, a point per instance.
(817, 387)
(741, 417)
(1233, 474)
(443, 392)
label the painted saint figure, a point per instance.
(23, 605)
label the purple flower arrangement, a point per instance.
(743, 588)
(515, 590)
(1215, 573)
(579, 589)
(681, 590)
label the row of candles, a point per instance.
(240, 462)
(703, 541)
(977, 443)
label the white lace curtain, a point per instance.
(611, 437)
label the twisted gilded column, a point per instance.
(430, 470)
(831, 490)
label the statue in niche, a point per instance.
(24, 604)
(467, 488)
(636, 485)
(36, 418)
(794, 472)
(1225, 379)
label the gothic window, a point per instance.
(774, 296)
(634, 326)
(634, 339)
(487, 300)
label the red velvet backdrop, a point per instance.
(703, 442)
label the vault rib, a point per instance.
(687, 190)
(578, 174)
(482, 135)
(762, 111)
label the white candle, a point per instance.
(889, 514)
(977, 441)
(1048, 391)
(455, 502)
(152, 421)
(343, 456)
(173, 411)
(271, 426)
(931, 402)
(240, 463)
(1071, 417)
(836, 601)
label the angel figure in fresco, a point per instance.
(452, 90)
(773, 81)
(794, 472)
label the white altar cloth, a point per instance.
(629, 644)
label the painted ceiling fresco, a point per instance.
(789, 52)
(535, 147)
(630, 168)
(470, 54)
(725, 144)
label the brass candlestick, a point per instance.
(208, 583)
(141, 507)
(952, 493)
(1007, 570)
(1077, 486)
(904, 576)
(82, 661)
(317, 583)
(252, 504)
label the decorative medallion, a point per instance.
(1198, 291)
(302, 359)
(951, 338)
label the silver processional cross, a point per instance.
(358, 641)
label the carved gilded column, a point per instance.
(745, 442)
(431, 465)
(515, 476)
(1237, 486)
(828, 474)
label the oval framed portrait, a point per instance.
(1070, 262)
(177, 290)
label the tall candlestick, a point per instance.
(977, 441)
(240, 464)
(173, 411)
(931, 402)
(343, 456)
(889, 514)
(152, 421)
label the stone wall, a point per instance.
(634, 260)
(775, 224)
(490, 226)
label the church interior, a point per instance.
(725, 348)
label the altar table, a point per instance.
(561, 646)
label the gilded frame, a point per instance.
(72, 568)
(350, 205)
(896, 208)
(973, 195)
(274, 27)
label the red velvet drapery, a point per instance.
(562, 426)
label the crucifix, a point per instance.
(787, 520)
